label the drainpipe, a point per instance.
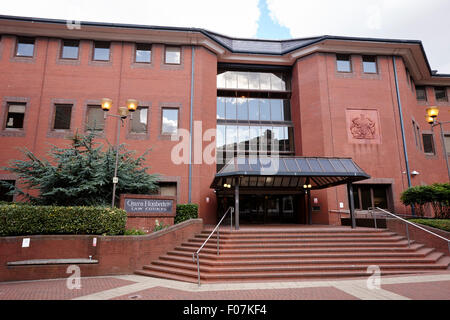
(190, 125)
(408, 175)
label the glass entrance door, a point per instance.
(260, 209)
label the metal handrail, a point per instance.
(195, 256)
(370, 209)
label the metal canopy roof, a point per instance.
(288, 172)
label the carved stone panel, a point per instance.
(363, 126)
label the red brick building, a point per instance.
(325, 96)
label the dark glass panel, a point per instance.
(63, 114)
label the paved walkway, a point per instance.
(434, 286)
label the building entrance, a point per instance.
(267, 208)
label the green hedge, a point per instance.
(443, 224)
(28, 219)
(186, 212)
(437, 195)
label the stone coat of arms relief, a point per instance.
(363, 126)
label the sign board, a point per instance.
(148, 205)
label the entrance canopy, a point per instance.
(287, 172)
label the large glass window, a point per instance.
(369, 64)
(173, 55)
(266, 81)
(253, 109)
(343, 63)
(370, 195)
(143, 52)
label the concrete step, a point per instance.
(229, 241)
(420, 253)
(293, 236)
(292, 268)
(432, 258)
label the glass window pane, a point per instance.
(243, 135)
(221, 80)
(70, 49)
(369, 64)
(101, 51)
(264, 79)
(220, 108)
(254, 135)
(173, 55)
(95, 118)
(421, 93)
(170, 121)
(25, 47)
(62, 116)
(242, 78)
(289, 136)
(230, 79)
(15, 116)
(139, 120)
(253, 80)
(276, 83)
(230, 108)
(276, 109)
(278, 139)
(143, 52)
(343, 63)
(428, 144)
(441, 93)
(286, 110)
(231, 137)
(380, 196)
(366, 199)
(242, 109)
(253, 109)
(264, 109)
(266, 135)
(220, 137)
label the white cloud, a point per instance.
(234, 17)
(397, 19)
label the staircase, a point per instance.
(294, 253)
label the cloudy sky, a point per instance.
(427, 21)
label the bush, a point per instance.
(159, 226)
(443, 224)
(438, 195)
(134, 232)
(186, 212)
(27, 219)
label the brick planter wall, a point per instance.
(115, 254)
(421, 236)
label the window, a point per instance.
(169, 121)
(369, 64)
(15, 116)
(447, 143)
(240, 80)
(138, 120)
(440, 93)
(370, 195)
(173, 55)
(143, 53)
(63, 113)
(343, 63)
(25, 47)
(101, 51)
(168, 189)
(421, 93)
(4, 189)
(95, 118)
(428, 143)
(70, 49)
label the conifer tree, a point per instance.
(80, 174)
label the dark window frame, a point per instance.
(375, 58)
(55, 106)
(5, 122)
(165, 55)
(349, 56)
(444, 90)
(18, 39)
(62, 49)
(162, 117)
(101, 43)
(419, 89)
(433, 144)
(136, 50)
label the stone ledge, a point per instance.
(51, 262)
